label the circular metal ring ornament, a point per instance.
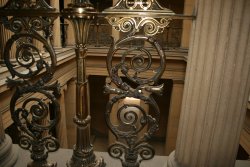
(34, 110)
(138, 62)
(29, 57)
(132, 118)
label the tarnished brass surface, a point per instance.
(28, 8)
(139, 8)
(133, 15)
(81, 13)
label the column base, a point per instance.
(90, 161)
(8, 153)
(171, 161)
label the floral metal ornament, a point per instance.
(31, 22)
(142, 19)
(136, 15)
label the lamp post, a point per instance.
(28, 19)
(81, 13)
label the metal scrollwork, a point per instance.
(31, 73)
(27, 4)
(152, 26)
(142, 66)
(139, 15)
(136, 60)
(135, 63)
(138, 4)
(28, 55)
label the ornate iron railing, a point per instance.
(141, 19)
(27, 19)
(100, 30)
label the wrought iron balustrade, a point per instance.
(100, 32)
(139, 21)
(29, 19)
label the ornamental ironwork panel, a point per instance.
(141, 19)
(31, 22)
(100, 30)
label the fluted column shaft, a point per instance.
(70, 30)
(1, 43)
(62, 124)
(70, 110)
(38, 44)
(217, 85)
(115, 33)
(174, 115)
(187, 24)
(56, 27)
(5, 35)
(2, 134)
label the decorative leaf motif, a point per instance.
(131, 148)
(39, 102)
(27, 4)
(151, 26)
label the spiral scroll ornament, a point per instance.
(136, 64)
(28, 56)
(34, 107)
(135, 61)
(27, 4)
(145, 16)
(131, 148)
(150, 26)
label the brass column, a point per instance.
(81, 13)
